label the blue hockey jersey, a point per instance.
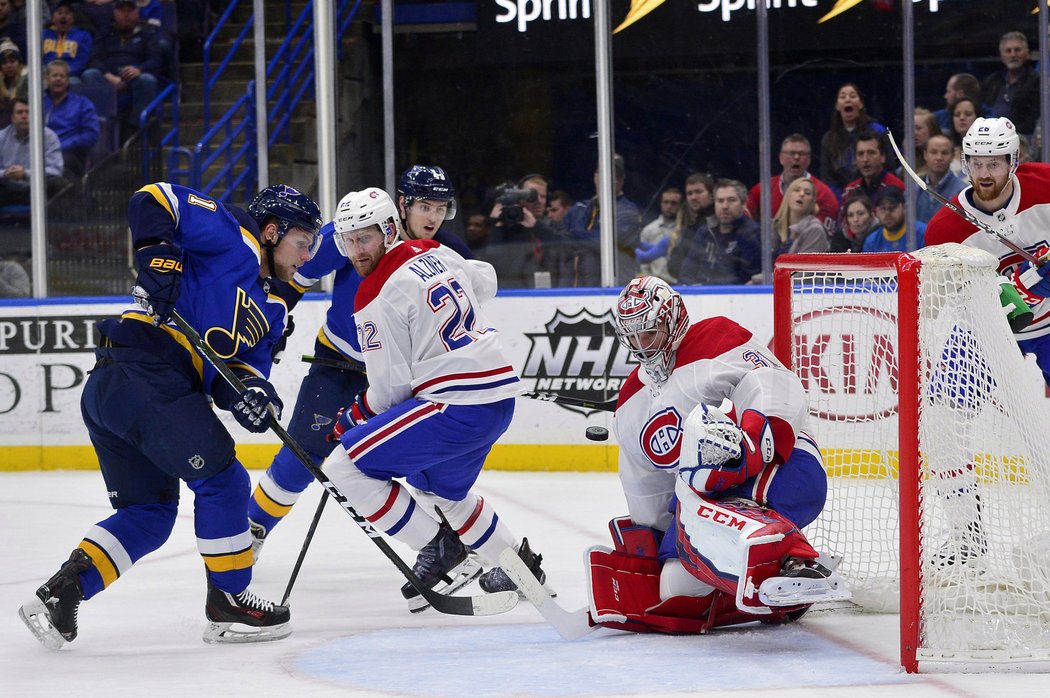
(222, 296)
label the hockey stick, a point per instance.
(334, 363)
(306, 546)
(481, 605)
(966, 215)
(607, 406)
(571, 625)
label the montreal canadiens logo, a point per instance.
(661, 438)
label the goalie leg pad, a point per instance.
(634, 539)
(735, 545)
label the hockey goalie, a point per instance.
(717, 496)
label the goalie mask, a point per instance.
(363, 209)
(651, 321)
(990, 137)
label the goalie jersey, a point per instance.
(717, 360)
(221, 297)
(1025, 220)
(423, 333)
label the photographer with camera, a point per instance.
(525, 248)
(584, 225)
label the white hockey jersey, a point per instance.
(422, 331)
(718, 359)
(1025, 220)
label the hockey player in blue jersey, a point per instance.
(147, 402)
(336, 377)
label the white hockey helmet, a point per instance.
(651, 321)
(365, 208)
(992, 136)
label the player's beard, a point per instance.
(997, 190)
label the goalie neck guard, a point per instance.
(651, 321)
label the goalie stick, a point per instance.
(480, 605)
(607, 406)
(571, 625)
(966, 215)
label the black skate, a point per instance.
(243, 617)
(444, 564)
(52, 615)
(971, 545)
(802, 581)
(258, 532)
(497, 580)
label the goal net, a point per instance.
(936, 437)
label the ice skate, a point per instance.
(497, 580)
(444, 565)
(802, 581)
(243, 617)
(970, 545)
(258, 532)
(52, 615)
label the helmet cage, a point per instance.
(428, 183)
(990, 137)
(363, 209)
(291, 209)
(651, 320)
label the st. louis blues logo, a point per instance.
(320, 422)
(661, 438)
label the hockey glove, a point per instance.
(257, 405)
(349, 417)
(159, 280)
(1018, 314)
(718, 455)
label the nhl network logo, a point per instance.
(578, 356)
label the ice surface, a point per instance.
(354, 637)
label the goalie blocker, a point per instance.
(738, 563)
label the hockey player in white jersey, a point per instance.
(719, 476)
(440, 393)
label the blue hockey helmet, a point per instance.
(290, 207)
(428, 182)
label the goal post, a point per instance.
(934, 432)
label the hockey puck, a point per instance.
(597, 433)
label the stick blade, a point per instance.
(480, 605)
(571, 625)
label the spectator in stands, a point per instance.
(11, 28)
(870, 157)
(925, 127)
(1013, 92)
(130, 57)
(20, 7)
(67, 42)
(583, 222)
(12, 79)
(14, 281)
(699, 210)
(729, 252)
(14, 158)
(476, 233)
(892, 235)
(99, 15)
(559, 204)
(795, 158)
(858, 223)
(959, 85)
(522, 247)
(651, 253)
(965, 111)
(838, 146)
(796, 225)
(72, 117)
(939, 177)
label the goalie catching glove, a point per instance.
(717, 454)
(159, 279)
(349, 417)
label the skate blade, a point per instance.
(792, 591)
(462, 575)
(239, 633)
(34, 614)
